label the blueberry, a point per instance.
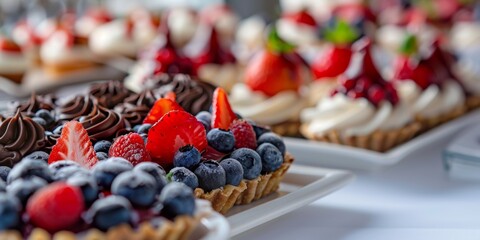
(238, 116)
(144, 136)
(64, 173)
(259, 130)
(38, 155)
(250, 160)
(54, 167)
(3, 186)
(156, 171)
(106, 171)
(204, 116)
(110, 212)
(23, 189)
(58, 130)
(138, 187)
(183, 175)
(87, 184)
(187, 156)
(46, 116)
(120, 160)
(28, 168)
(273, 139)
(206, 125)
(4, 171)
(82, 119)
(221, 140)
(136, 127)
(10, 212)
(40, 121)
(233, 171)
(101, 156)
(177, 199)
(144, 128)
(102, 146)
(271, 157)
(210, 175)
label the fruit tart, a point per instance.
(225, 159)
(364, 110)
(334, 60)
(272, 92)
(428, 84)
(13, 62)
(92, 19)
(115, 198)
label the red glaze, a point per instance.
(174, 130)
(271, 73)
(213, 52)
(353, 11)
(301, 17)
(99, 14)
(222, 113)
(74, 144)
(7, 45)
(131, 147)
(332, 63)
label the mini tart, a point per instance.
(182, 227)
(223, 199)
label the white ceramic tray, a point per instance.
(332, 155)
(300, 186)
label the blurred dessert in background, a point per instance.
(13, 62)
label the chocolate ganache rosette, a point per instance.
(77, 107)
(19, 136)
(104, 124)
(110, 93)
(34, 103)
(136, 107)
(193, 95)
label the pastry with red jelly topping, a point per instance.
(363, 110)
(299, 28)
(13, 62)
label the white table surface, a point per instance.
(412, 200)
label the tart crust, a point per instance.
(179, 229)
(429, 123)
(16, 78)
(473, 102)
(379, 141)
(223, 199)
(289, 128)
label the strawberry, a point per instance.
(130, 147)
(212, 154)
(350, 12)
(244, 134)
(74, 144)
(160, 108)
(301, 17)
(55, 207)
(174, 130)
(100, 15)
(171, 95)
(332, 63)
(8, 45)
(222, 113)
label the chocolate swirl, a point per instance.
(19, 137)
(34, 104)
(136, 107)
(145, 98)
(110, 93)
(193, 95)
(104, 124)
(78, 106)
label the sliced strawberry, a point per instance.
(130, 147)
(222, 113)
(56, 207)
(244, 134)
(174, 130)
(160, 108)
(332, 63)
(9, 45)
(74, 144)
(212, 154)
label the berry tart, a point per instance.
(13, 62)
(334, 60)
(272, 92)
(428, 84)
(363, 111)
(92, 19)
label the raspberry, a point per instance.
(130, 147)
(244, 134)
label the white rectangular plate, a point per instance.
(332, 155)
(300, 186)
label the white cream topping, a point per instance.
(469, 74)
(465, 35)
(111, 39)
(226, 24)
(354, 117)
(86, 25)
(11, 63)
(282, 107)
(224, 76)
(299, 34)
(249, 37)
(182, 25)
(433, 101)
(144, 32)
(56, 50)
